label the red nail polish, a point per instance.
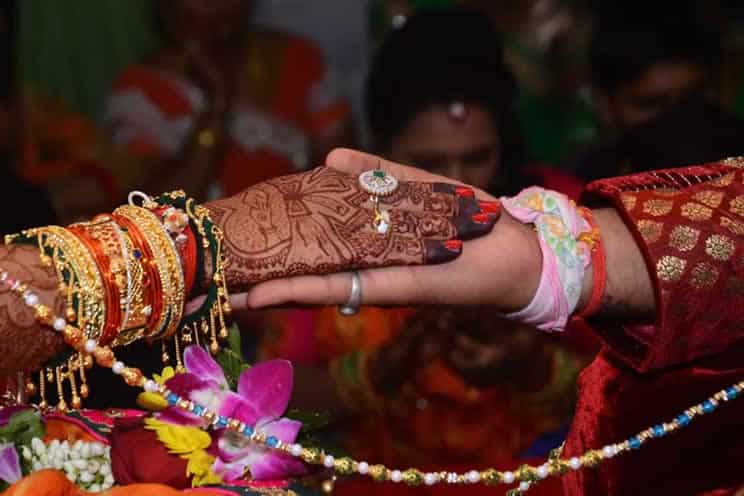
(453, 244)
(482, 218)
(490, 207)
(464, 192)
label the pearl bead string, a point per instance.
(526, 475)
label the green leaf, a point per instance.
(22, 427)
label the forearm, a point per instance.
(629, 292)
(24, 344)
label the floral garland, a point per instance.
(85, 463)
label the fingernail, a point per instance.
(453, 244)
(482, 218)
(464, 192)
(490, 207)
(438, 252)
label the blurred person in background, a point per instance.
(14, 191)
(642, 66)
(416, 384)
(220, 100)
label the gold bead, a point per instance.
(344, 466)
(62, 405)
(43, 405)
(46, 260)
(88, 361)
(214, 347)
(224, 333)
(70, 314)
(104, 357)
(84, 391)
(217, 278)
(413, 477)
(378, 472)
(62, 287)
(165, 357)
(73, 336)
(133, 376)
(227, 308)
(76, 403)
(234, 425)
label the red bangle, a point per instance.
(599, 269)
(112, 294)
(188, 260)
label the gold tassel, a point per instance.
(42, 391)
(165, 357)
(84, 390)
(76, 402)
(179, 362)
(62, 404)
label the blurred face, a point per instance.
(662, 86)
(206, 23)
(458, 141)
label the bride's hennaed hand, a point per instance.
(322, 222)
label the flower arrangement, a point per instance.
(165, 444)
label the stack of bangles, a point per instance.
(123, 277)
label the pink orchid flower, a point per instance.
(10, 466)
(263, 394)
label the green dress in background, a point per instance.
(73, 50)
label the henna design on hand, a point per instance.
(321, 221)
(24, 344)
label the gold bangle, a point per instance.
(137, 311)
(168, 264)
(84, 289)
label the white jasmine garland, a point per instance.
(86, 464)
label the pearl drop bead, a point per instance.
(117, 368)
(396, 476)
(329, 461)
(430, 479)
(363, 468)
(473, 476)
(296, 450)
(508, 477)
(575, 463)
(90, 346)
(151, 386)
(524, 486)
(31, 299)
(59, 324)
(608, 451)
(542, 471)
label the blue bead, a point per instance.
(248, 430)
(137, 254)
(172, 398)
(272, 442)
(221, 422)
(683, 420)
(198, 410)
(634, 442)
(659, 430)
(732, 393)
(708, 406)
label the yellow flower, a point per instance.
(200, 466)
(189, 443)
(179, 439)
(153, 401)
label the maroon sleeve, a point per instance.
(689, 224)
